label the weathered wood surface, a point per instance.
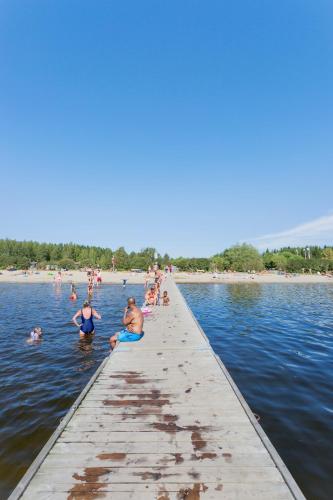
(162, 420)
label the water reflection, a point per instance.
(86, 344)
(246, 295)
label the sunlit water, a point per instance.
(277, 342)
(38, 383)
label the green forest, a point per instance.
(244, 257)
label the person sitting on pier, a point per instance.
(87, 314)
(151, 297)
(133, 322)
(166, 298)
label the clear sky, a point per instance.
(186, 125)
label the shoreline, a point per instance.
(116, 278)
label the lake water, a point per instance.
(277, 343)
(276, 340)
(38, 383)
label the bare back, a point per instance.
(136, 324)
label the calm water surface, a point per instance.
(277, 343)
(38, 383)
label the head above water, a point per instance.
(131, 302)
(86, 303)
(38, 330)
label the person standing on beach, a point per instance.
(133, 322)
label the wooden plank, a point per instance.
(172, 474)
(164, 491)
(105, 457)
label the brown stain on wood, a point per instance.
(132, 378)
(219, 487)
(163, 494)
(111, 456)
(191, 493)
(129, 372)
(86, 492)
(178, 458)
(138, 403)
(169, 427)
(203, 456)
(153, 394)
(170, 418)
(91, 485)
(194, 475)
(188, 390)
(155, 476)
(197, 441)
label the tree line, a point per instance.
(244, 257)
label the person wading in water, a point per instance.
(87, 314)
(133, 322)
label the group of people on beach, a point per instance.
(133, 317)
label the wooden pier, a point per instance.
(161, 419)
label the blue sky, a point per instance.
(184, 125)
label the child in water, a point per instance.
(166, 298)
(36, 334)
(73, 295)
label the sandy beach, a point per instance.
(116, 278)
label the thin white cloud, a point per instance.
(316, 232)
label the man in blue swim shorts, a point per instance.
(133, 322)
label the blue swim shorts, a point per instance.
(126, 336)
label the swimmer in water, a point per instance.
(58, 278)
(73, 295)
(35, 335)
(87, 314)
(124, 283)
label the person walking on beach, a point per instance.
(133, 322)
(87, 314)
